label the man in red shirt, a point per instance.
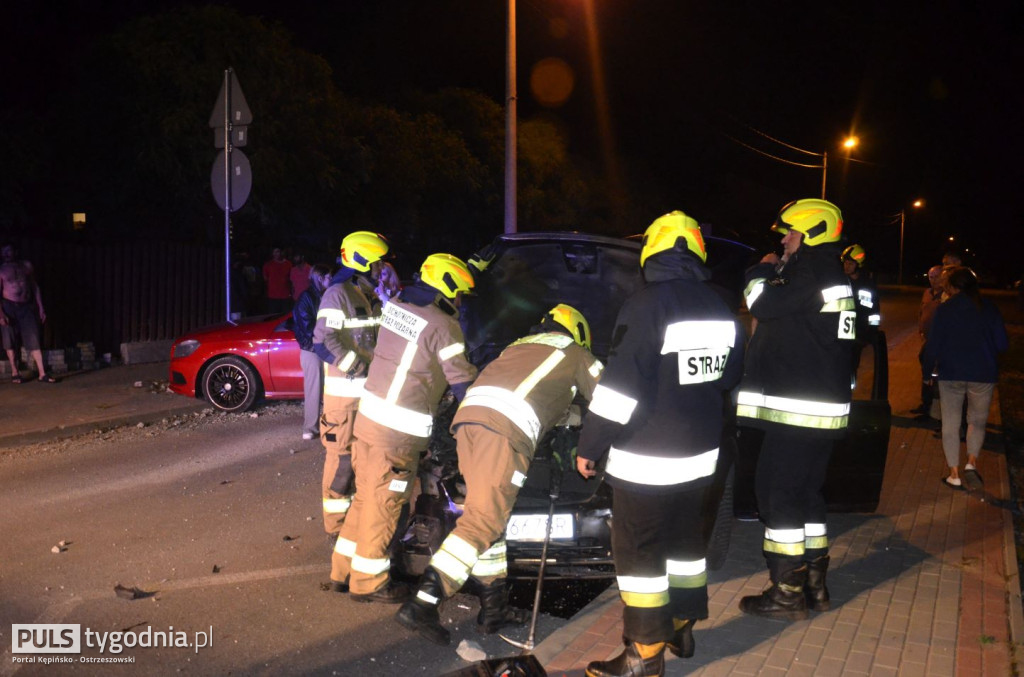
(299, 276)
(276, 276)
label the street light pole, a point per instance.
(824, 172)
(510, 120)
(903, 221)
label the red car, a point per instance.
(233, 365)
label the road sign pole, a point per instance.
(227, 192)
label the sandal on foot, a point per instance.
(17, 380)
(47, 379)
(949, 482)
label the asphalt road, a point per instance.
(216, 520)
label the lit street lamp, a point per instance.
(849, 144)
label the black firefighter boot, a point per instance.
(682, 643)
(815, 591)
(420, 613)
(784, 599)
(495, 613)
(636, 660)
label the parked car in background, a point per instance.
(232, 366)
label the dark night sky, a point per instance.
(933, 90)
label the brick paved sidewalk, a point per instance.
(927, 585)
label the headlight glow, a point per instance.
(185, 348)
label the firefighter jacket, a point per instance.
(529, 387)
(798, 360)
(869, 313)
(658, 410)
(420, 352)
(344, 336)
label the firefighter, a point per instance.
(420, 353)
(797, 389)
(657, 414)
(344, 337)
(506, 412)
(865, 295)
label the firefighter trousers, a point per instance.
(337, 484)
(659, 549)
(385, 478)
(788, 481)
(494, 471)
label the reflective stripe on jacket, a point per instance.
(798, 359)
(657, 412)
(420, 352)
(347, 328)
(528, 388)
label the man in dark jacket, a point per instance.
(304, 316)
(797, 389)
(657, 415)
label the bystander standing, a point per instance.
(21, 313)
(276, 276)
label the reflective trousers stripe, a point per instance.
(687, 575)
(659, 470)
(336, 506)
(493, 562)
(643, 591)
(345, 547)
(455, 558)
(371, 567)
(815, 536)
(784, 541)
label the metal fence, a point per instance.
(109, 294)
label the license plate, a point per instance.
(533, 527)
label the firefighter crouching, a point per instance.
(344, 337)
(658, 415)
(516, 399)
(797, 389)
(420, 353)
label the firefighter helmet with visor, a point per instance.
(573, 321)
(819, 221)
(665, 234)
(855, 253)
(362, 248)
(447, 274)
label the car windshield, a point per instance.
(528, 277)
(533, 272)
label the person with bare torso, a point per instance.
(21, 312)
